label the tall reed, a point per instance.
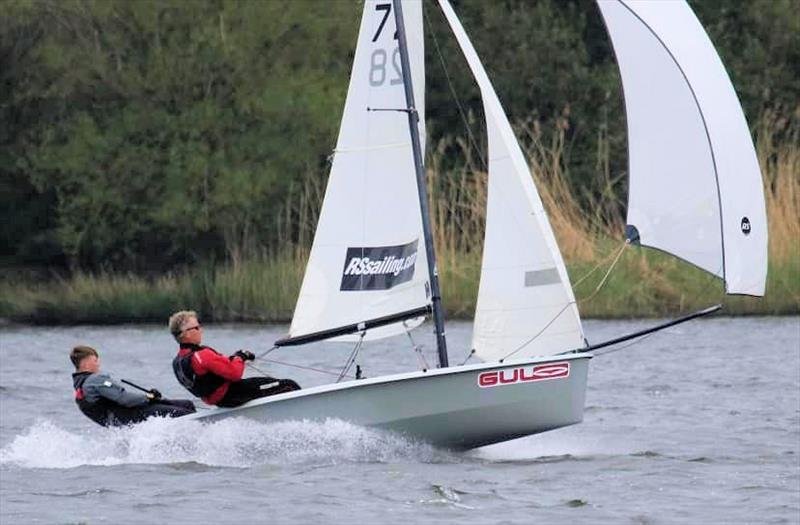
(588, 227)
(780, 164)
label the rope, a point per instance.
(320, 370)
(529, 341)
(597, 266)
(254, 367)
(608, 272)
(617, 257)
(267, 352)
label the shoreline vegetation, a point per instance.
(642, 282)
(169, 155)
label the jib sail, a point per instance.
(525, 302)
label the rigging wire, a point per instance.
(284, 363)
(417, 348)
(254, 367)
(540, 332)
(453, 92)
(605, 277)
(303, 367)
(469, 356)
(617, 257)
(275, 347)
(352, 358)
(598, 265)
(474, 143)
(709, 283)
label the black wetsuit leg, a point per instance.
(165, 408)
(180, 403)
(241, 392)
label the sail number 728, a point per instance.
(380, 58)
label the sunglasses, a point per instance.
(195, 327)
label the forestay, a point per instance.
(368, 259)
(525, 301)
(695, 186)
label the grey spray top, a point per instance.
(102, 385)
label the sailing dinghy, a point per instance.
(695, 192)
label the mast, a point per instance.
(413, 119)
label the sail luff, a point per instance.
(525, 302)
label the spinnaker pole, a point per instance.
(413, 120)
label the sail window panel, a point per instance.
(542, 277)
(499, 333)
(371, 201)
(510, 315)
(679, 98)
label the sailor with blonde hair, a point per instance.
(211, 376)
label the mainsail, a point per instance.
(695, 185)
(525, 302)
(368, 259)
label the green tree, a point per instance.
(152, 134)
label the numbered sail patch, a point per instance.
(378, 268)
(523, 374)
(542, 277)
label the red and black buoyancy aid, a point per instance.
(98, 411)
(199, 385)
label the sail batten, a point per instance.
(525, 301)
(695, 187)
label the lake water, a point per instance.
(696, 424)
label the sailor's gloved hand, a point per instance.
(153, 395)
(245, 355)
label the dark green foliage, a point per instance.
(150, 135)
(167, 132)
(759, 42)
(553, 68)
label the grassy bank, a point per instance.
(642, 283)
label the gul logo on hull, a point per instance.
(378, 268)
(523, 374)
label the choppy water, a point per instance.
(700, 423)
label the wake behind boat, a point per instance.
(695, 192)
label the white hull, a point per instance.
(458, 407)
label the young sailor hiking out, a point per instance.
(213, 377)
(106, 402)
